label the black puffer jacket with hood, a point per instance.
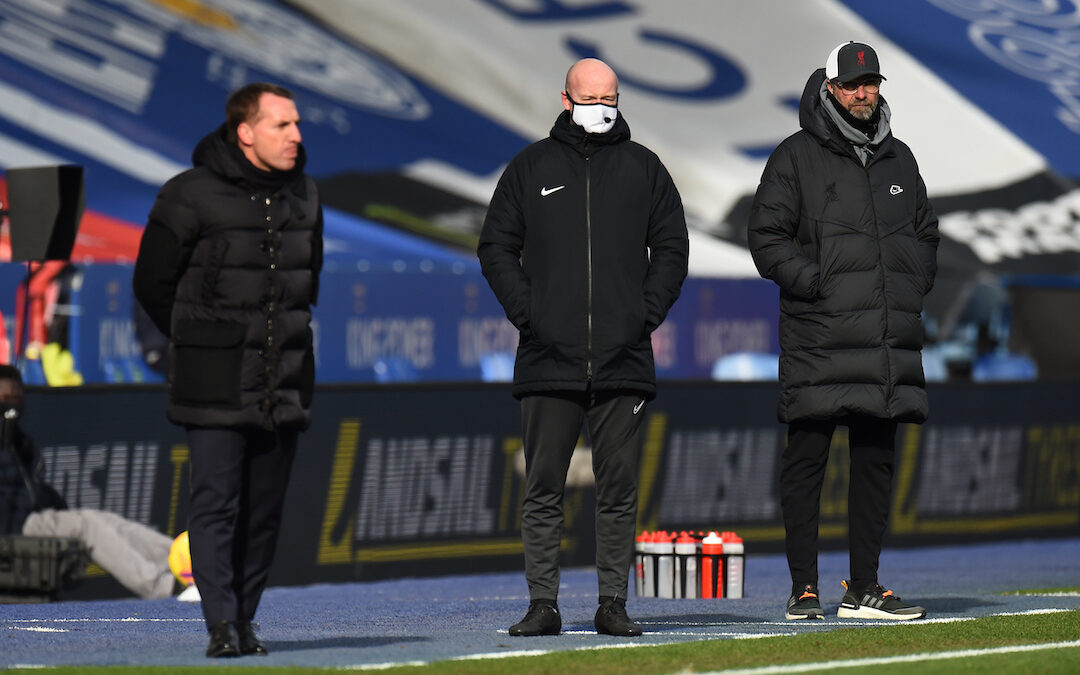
(585, 246)
(228, 268)
(842, 224)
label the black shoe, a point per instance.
(541, 619)
(223, 640)
(876, 603)
(611, 619)
(249, 641)
(803, 603)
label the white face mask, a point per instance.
(595, 118)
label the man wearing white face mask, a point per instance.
(585, 246)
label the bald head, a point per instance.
(590, 81)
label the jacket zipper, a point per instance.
(588, 272)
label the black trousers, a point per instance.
(872, 448)
(552, 424)
(238, 481)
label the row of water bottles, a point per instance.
(689, 565)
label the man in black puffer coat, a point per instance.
(842, 224)
(228, 268)
(585, 246)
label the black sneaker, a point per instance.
(541, 619)
(803, 603)
(611, 619)
(876, 603)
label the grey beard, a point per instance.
(863, 113)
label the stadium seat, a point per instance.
(1004, 368)
(394, 369)
(747, 366)
(497, 367)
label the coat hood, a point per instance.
(827, 125)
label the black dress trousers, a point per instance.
(238, 482)
(872, 448)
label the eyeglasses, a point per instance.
(870, 86)
(612, 101)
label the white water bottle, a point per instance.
(686, 576)
(734, 553)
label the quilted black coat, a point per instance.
(228, 268)
(853, 248)
(585, 246)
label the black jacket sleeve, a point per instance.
(669, 249)
(773, 228)
(502, 239)
(316, 257)
(164, 253)
(926, 231)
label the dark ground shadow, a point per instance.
(956, 605)
(347, 642)
(935, 607)
(673, 622)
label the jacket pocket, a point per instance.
(207, 362)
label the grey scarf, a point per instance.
(858, 139)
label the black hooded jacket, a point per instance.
(228, 268)
(853, 249)
(585, 246)
(23, 489)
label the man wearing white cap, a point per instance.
(842, 224)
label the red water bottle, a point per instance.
(712, 566)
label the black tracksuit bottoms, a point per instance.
(238, 481)
(551, 424)
(872, 445)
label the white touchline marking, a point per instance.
(791, 624)
(788, 624)
(502, 655)
(890, 660)
(541, 652)
(1048, 610)
(1053, 594)
(381, 666)
(618, 645)
(129, 619)
(693, 633)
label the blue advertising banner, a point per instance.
(421, 480)
(382, 325)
